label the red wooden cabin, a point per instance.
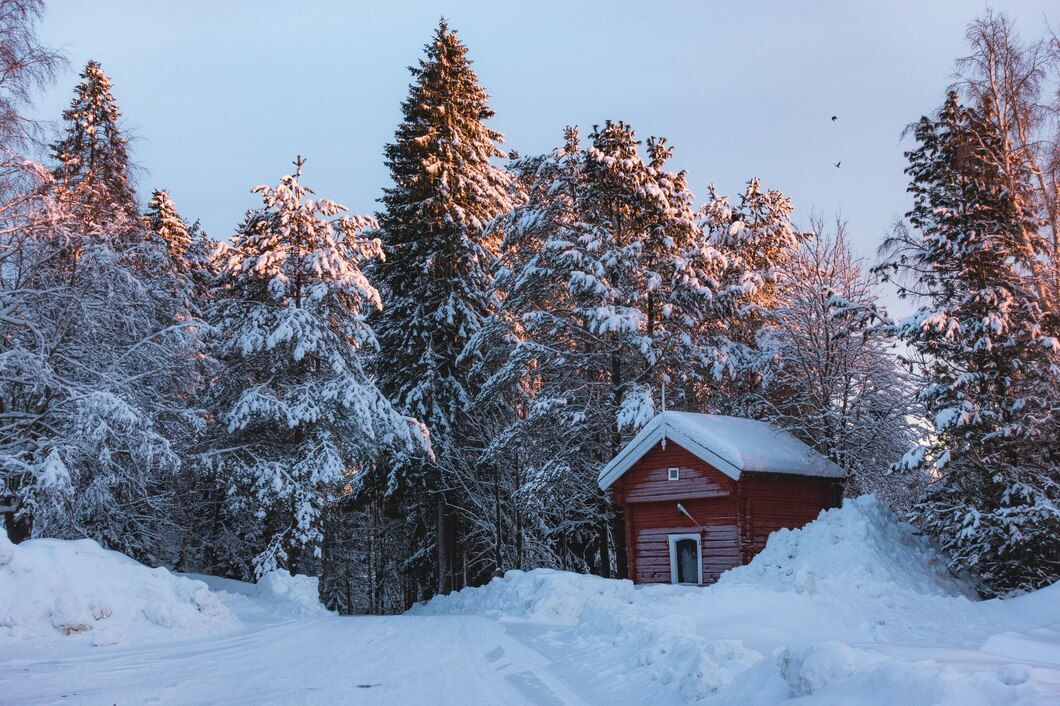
(701, 493)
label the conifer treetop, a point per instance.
(162, 218)
(440, 159)
(439, 257)
(93, 153)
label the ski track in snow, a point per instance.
(360, 659)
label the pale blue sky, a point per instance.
(222, 95)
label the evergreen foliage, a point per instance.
(92, 154)
(436, 275)
(302, 416)
(990, 370)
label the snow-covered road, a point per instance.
(394, 659)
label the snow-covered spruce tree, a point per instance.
(302, 418)
(829, 370)
(92, 154)
(990, 373)
(190, 281)
(756, 239)
(191, 251)
(435, 281)
(164, 220)
(604, 275)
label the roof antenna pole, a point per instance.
(663, 376)
(662, 379)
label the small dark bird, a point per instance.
(834, 118)
(838, 163)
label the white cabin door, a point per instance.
(686, 559)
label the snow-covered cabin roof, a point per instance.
(733, 445)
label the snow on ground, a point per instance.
(76, 589)
(854, 608)
(277, 594)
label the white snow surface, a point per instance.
(853, 608)
(301, 593)
(733, 445)
(752, 445)
(53, 588)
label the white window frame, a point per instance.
(673, 473)
(673, 539)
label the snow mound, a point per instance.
(298, 593)
(53, 587)
(808, 668)
(861, 546)
(854, 607)
(542, 594)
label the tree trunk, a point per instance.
(618, 529)
(19, 528)
(605, 552)
(444, 553)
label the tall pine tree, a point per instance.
(990, 374)
(92, 155)
(436, 275)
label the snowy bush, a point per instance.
(300, 593)
(808, 668)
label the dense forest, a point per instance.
(409, 402)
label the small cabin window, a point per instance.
(673, 474)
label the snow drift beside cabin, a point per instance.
(862, 546)
(53, 587)
(853, 604)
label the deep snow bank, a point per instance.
(277, 595)
(854, 607)
(51, 588)
(861, 546)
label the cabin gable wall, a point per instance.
(650, 499)
(647, 480)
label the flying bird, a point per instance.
(838, 163)
(834, 118)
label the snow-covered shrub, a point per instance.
(300, 593)
(808, 668)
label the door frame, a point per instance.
(673, 539)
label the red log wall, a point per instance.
(736, 516)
